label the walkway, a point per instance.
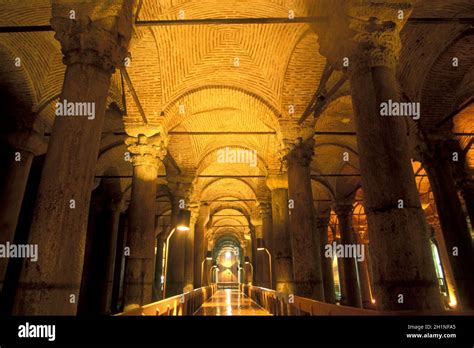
(230, 302)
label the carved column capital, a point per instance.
(147, 150)
(93, 34)
(434, 148)
(265, 209)
(375, 43)
(181, 187)
(302, 153)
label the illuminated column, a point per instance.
(321, 232)
(189, 249)
(160, 243)
(437, 157)
(25, 145)
(344, 215)
(282, 258)
(396, 220)
(266, 215)
(180, 188)
(200, 245)
(306, 259)
(363, 271)
(260, 265)
(92, 47)
(147, 154)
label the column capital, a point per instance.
(343, 209)
(435, 148)
(302, 153)
(375, 43)
(92, 34)
(27, 140)
(147, 150)
(194, 207)
(265, 209)
(278, 181)
(181, 186)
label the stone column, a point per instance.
(254, 259)
(25, 146)
(92, 48)
(344, 216)
(266, 214)
(139, 267)
(259, 257)
(180, 188)
(437, 158)
(200, 247)
(306, 262)
(321, 232)
(189, 249)
(363, 270)
(403, 268)
(160, 242)
(116, 208)
(281, 246)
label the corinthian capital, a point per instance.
(376, 43)
(92, 32)
(302, 153)
(147, 150)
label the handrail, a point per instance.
(280, 304)
(183, 304)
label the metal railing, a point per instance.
(183, 304)
(281, 304)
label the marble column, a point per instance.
(306, 262)
(344, 216)
(92, 49)
(115, 210)
(321, 232)
(403, 268)
(254, 259)
(160, 243)
(281, 244)
(200, 247)
(180, 189)
(363, 271)
(25, 145)
(267, 264)
(436, 157)
(147, 154)
(260, 265)
(189, 249)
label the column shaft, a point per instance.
(321, 232)
(51, 285)
(283, 261)
(306, 259)
(11, 200)
(403, 269)
(456, 233)
(108, 281)
(139, 265)
(344, 215)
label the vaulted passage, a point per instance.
(224, 157)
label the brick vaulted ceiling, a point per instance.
(194, 66)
